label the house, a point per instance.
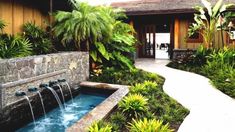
(151, 18)
(17, 12)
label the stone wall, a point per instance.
(21, 73)
(180, 54)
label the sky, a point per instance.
(96, 2)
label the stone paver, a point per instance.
(210, 109)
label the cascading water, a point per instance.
(57, 98)
(61, 91)
(69, 90)
(43, 107)
(31, 109)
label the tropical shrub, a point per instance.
(14, 46)
(99, 31)
(208, 21)
(98, 127)
(40, 39)
(133, 105)
(146, 125)
(83, 26)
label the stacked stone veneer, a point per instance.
(180, 54)
(21, 73)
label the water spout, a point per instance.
(43, 85)
(31, 109)
(20, 93)
(32, 89)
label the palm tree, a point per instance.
(83, 26)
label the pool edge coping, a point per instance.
(101, 110)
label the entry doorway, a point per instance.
(147, 39)
(155, 41)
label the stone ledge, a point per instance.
(28, 80)
(103, 109)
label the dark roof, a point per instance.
(146, 7)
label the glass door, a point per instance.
(147, 39)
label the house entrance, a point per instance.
(156, 40)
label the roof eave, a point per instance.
(159, 12)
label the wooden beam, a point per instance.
(176, 34)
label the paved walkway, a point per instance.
(210, 109)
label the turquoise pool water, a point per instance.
(55, 121)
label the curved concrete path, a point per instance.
(210, 109)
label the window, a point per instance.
(196, 37)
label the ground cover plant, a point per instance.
(145, 103)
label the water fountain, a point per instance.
(55, 83)
(22, 93)
(34, 89)
(59, 119)
(54, 93)
(64, 81)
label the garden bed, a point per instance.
(159, 106)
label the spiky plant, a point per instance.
(98, 127)
(133, 105)
(146, 125)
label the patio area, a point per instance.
(210, 109)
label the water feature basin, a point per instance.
(92, 102)
(56, 121)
